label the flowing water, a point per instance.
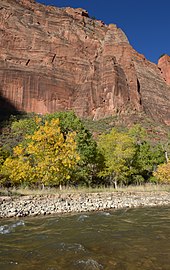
(133, 239)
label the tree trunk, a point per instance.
(115, 184)
(113, 180)
(166, 156)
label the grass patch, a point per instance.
(53, 191)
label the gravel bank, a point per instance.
(78, 202)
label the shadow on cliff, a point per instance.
(6, 110)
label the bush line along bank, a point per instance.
(57, 149)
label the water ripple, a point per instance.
(71, 247)
(82, 217)
(6, 229)
(89, 264)
(104, 214)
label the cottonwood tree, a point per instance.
(87, 167)
(163, 173)
(118, 150)
(46, 158)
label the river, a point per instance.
(127, 239)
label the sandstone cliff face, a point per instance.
(164, 65)
(55, 59)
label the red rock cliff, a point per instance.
(57, 59)
(164, 65)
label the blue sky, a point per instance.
(145, 22)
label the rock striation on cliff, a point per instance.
(54, 59)
(164, 65)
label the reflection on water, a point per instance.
(134, 239)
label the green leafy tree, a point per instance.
(138, 133)
(15, 130)
(147, 158)
(23, 127)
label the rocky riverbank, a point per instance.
(78, 202)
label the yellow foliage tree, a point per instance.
(118, 150)
(163, 173)
(48, 157)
